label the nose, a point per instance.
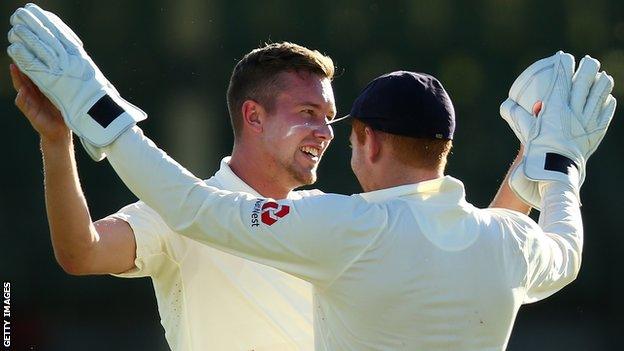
(324, 131)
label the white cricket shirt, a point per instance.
(212, 300)
(414, 267)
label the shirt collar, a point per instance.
(228, 180)
(451, 188)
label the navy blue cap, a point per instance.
(406, 103)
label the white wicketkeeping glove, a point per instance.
(575, 115)
(52, 56)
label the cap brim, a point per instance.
(338, 119)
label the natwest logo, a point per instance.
(272, 212)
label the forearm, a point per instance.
(554, 253)
(157, 179)
(71, 230)
(505, 197)
(561, 220)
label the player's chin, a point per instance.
(312, 178)
(305, 172)
(307, 177)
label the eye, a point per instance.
(308, 111)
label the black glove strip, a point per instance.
(105, 110)
(558, 163)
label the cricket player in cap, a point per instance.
(409, 264)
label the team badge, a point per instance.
(272, 212)
(267, 212)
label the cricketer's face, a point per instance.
(296, 131)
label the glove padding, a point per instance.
(576, 112)
(52, 56)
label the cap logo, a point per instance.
(272, 212)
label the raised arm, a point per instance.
(577, 110)
(314, 238)
(54, 58)
(80, 246)
(544, 258)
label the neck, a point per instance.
(389, 177)
(251, 169)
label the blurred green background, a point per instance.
(174, 58)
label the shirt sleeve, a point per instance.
(546, 257)
(151, 235)
(315, 238)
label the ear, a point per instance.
(253, 115)
(372, 145)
